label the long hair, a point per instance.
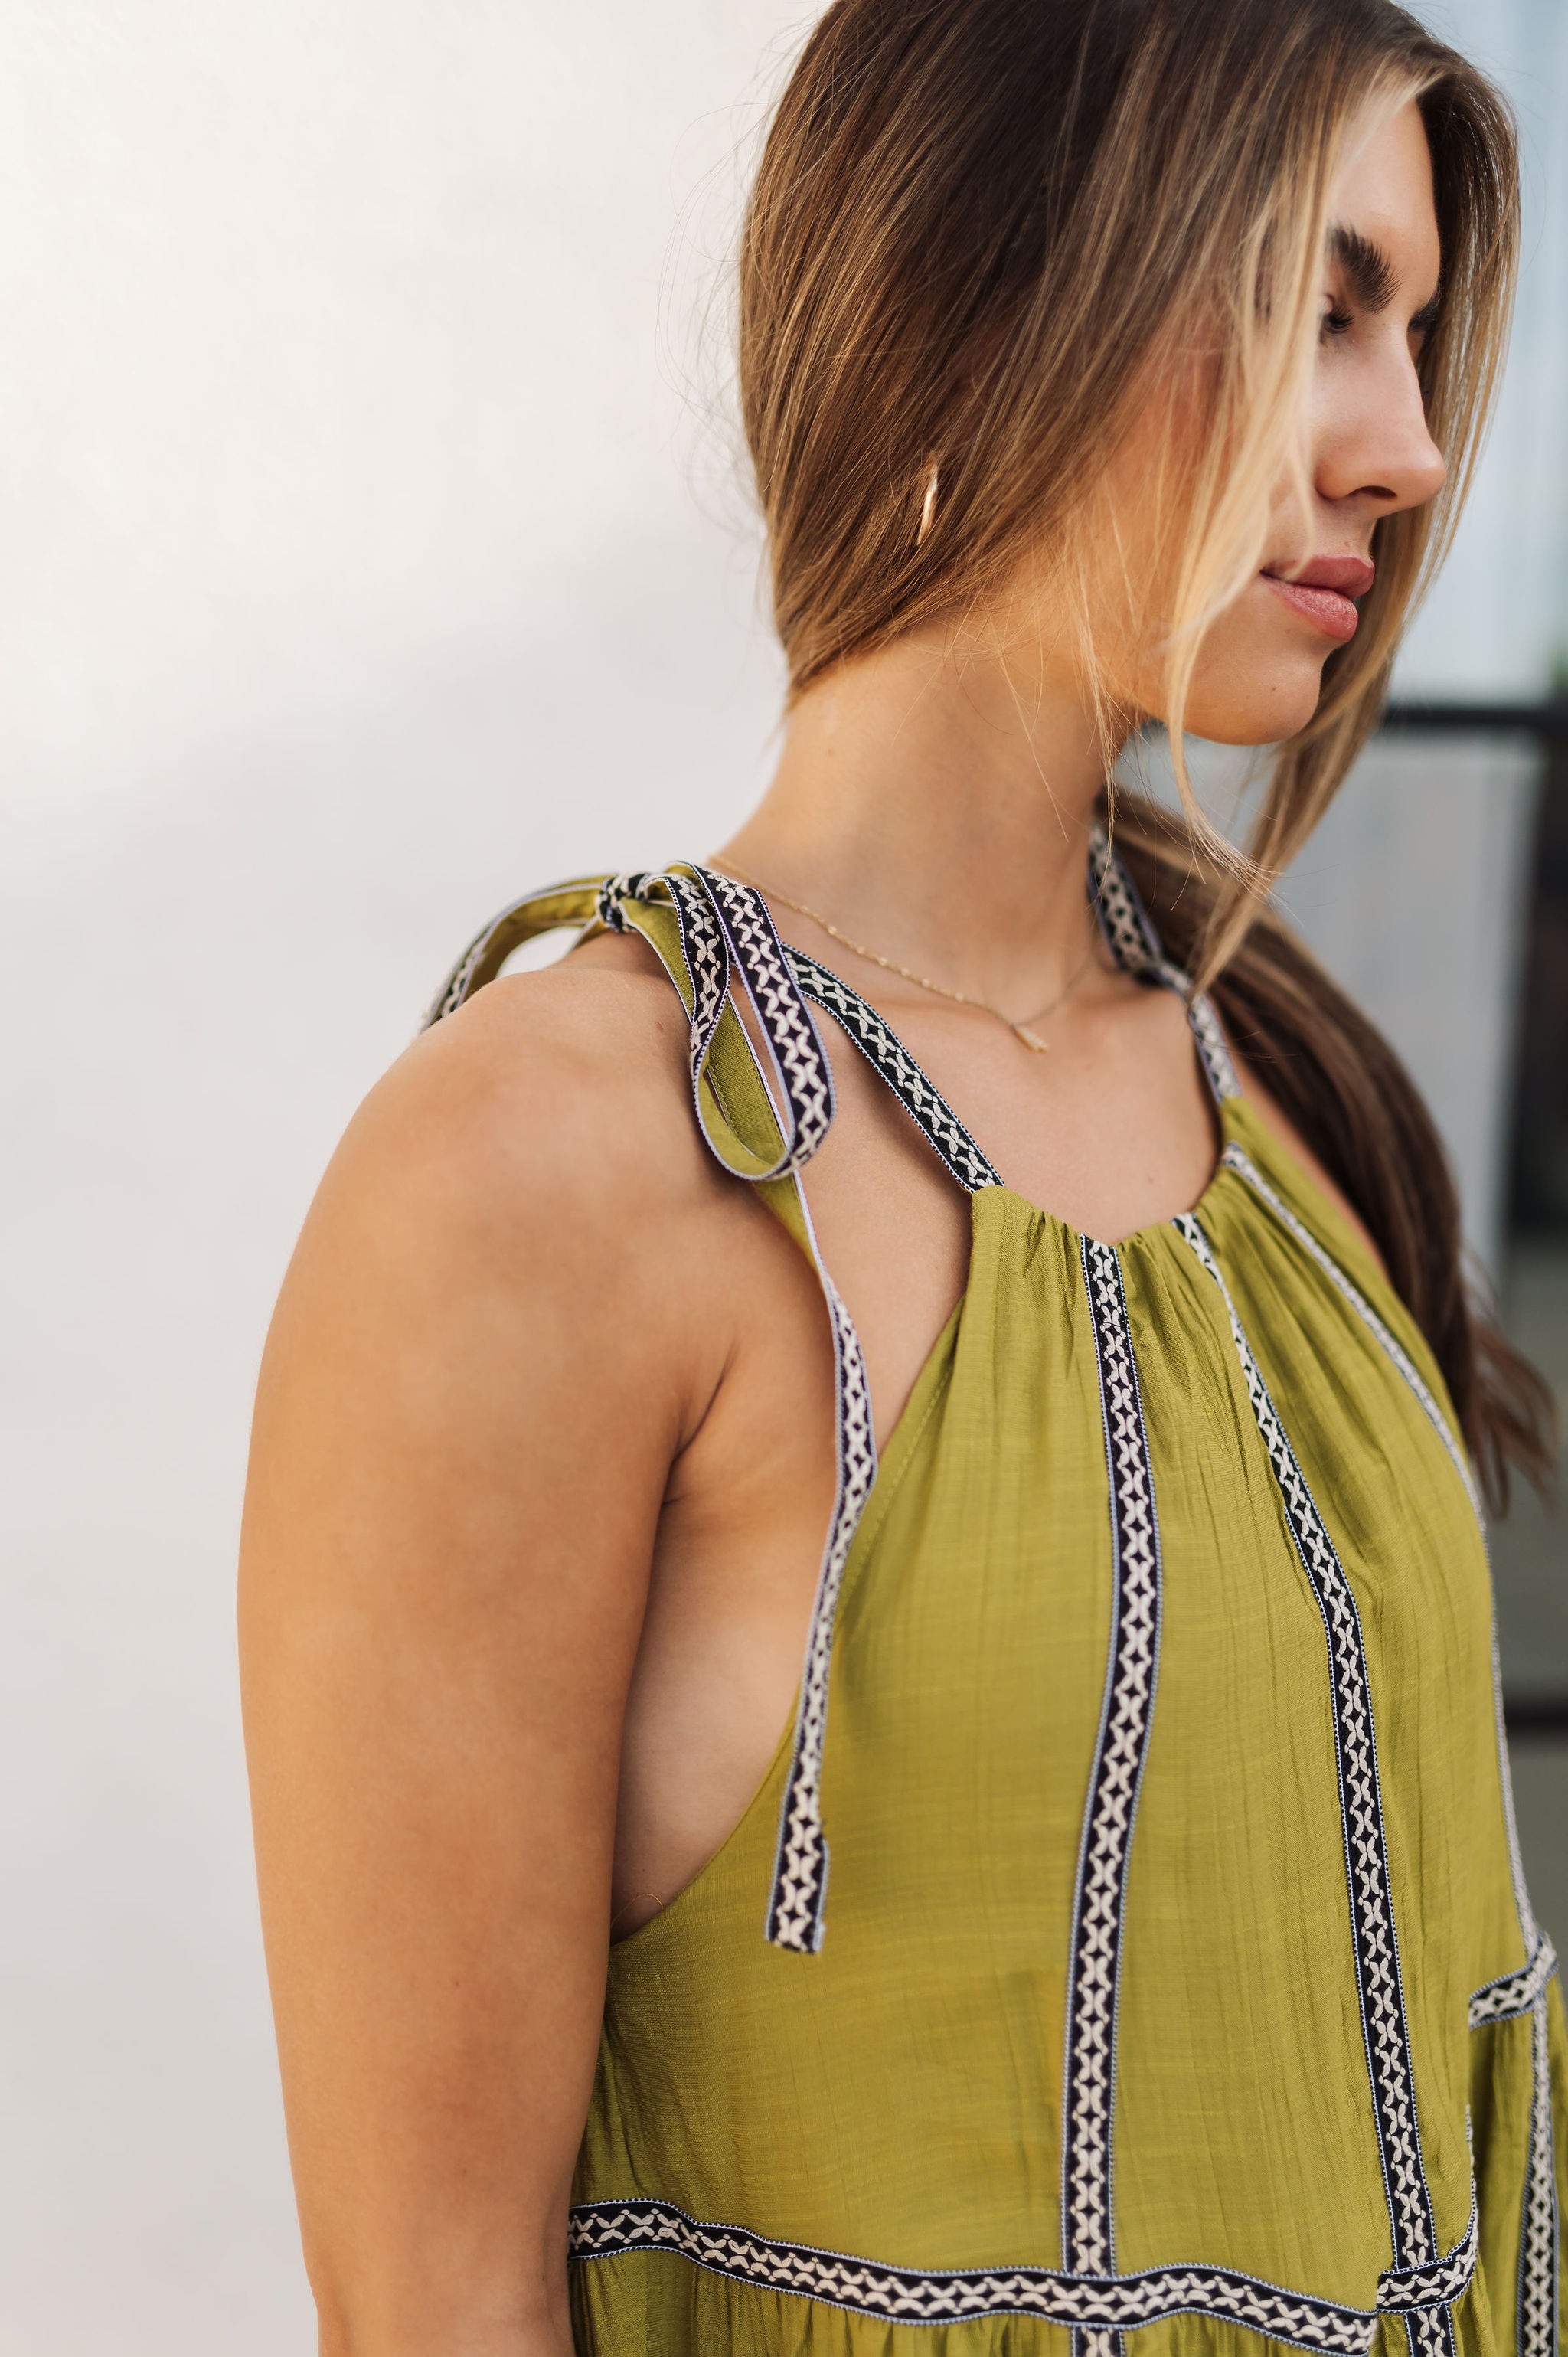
(982, 234)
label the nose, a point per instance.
(1372, 440)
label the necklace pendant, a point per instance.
(1030, 1039)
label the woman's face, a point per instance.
(1369, 452)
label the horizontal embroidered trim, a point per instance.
(1515, 1993)
(1112, 2303)
(1436, 2282)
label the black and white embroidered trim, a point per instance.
(1211, 1048)
(1538, 2277)
(1088, 2068)
(560, 907)
(1236, 1157)
(725, 929)
(788, 1028)
(1135, 946)
(1414, 2291)
(1512, 1994)
(798, 1894)
(1374, 1933)
(801, 1863)
(891, 1060)
(1130, 936)
(1090, 2304)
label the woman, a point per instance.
(1176, 1974)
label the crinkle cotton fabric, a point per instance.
(1178, 1986)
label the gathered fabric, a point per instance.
(1129, 1937)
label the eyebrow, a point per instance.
(1368, 270)
(1371, 277)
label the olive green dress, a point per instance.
(1176, 1977)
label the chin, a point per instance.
(1256, 701)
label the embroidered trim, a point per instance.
(559, 908)
(1089, 2067)
(1538, 2292)
(1512, 1994)
(725, 929)
(1236, 1157)
(1130, 936)
(798, 1894)
(891, 1060)
(788, 1028)
(1241, 1162)
(1093, 2304)
(1375, 1938)
(1432, 2286)
(1210, 1038)
(1135, 946)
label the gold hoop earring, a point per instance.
(929, 507)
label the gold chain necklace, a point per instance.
(922, 980)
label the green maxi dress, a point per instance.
(1176, 1987)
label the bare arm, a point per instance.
(472, 1395)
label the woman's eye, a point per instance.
(1335, 322)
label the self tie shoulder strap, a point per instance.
(711, 934)
(763, 1118)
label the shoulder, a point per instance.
(1285, 1135)
(568, 1086)
(530, 1164)
(572, 1080)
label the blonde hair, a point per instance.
(984, 233)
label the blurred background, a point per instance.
(369, 554)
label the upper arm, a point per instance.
(470, 1399)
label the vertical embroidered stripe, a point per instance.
(800, 1866)
(1237, 1158)
(1537, 2291)
(1089, 2073)
(726, 930)
(1376, 1948)
(1514, 1993)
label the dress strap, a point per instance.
(763, 1116)
(762, 1123)
(1138, 949)
(892, 1062)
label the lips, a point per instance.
(1322, 589)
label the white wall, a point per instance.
(351, 578)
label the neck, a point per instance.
(936, 802)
